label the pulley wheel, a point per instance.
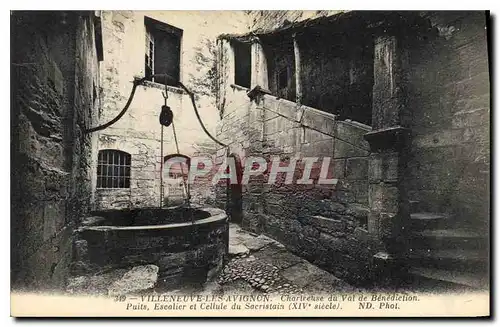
(166, 116)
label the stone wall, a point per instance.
(268, 20)
(324, 223)
(54, 81)
(446, 87)
(450, 105)
(139, 132)
(240, 128)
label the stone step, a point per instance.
(455, 259)
(433, 220)
(469, 279)
(449, 233)
(448, 239)
(428, 220)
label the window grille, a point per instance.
(113, 169)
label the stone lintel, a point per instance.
(257, 91)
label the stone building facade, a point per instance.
(400, 103)
(55, 68)
(176, 43)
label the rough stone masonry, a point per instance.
(55, 84)
(418, 132)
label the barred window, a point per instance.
(113, 169)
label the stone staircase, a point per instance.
(442, 252)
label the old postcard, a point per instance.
(250, 163)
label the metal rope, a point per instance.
(186, 191)
(184, 184)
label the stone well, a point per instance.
(187, 244)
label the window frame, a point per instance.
(152, 27)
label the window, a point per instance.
(281, 68)
(113, 169)
(242, 63)
(162, 51)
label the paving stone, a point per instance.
(137, 279)
(238, 287)
(257, 243)
(233, 229)
(271, 268)
(327, 283)
(77, 284)
(302, 273)
(278, 257)
(94, 284)
(235, 241)
(236, 249)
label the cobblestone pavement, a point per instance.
(261, 264)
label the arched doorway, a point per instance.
(234, 202)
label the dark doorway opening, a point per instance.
(281, 67)
(234, 203)
(175, 188)
(243, 63)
